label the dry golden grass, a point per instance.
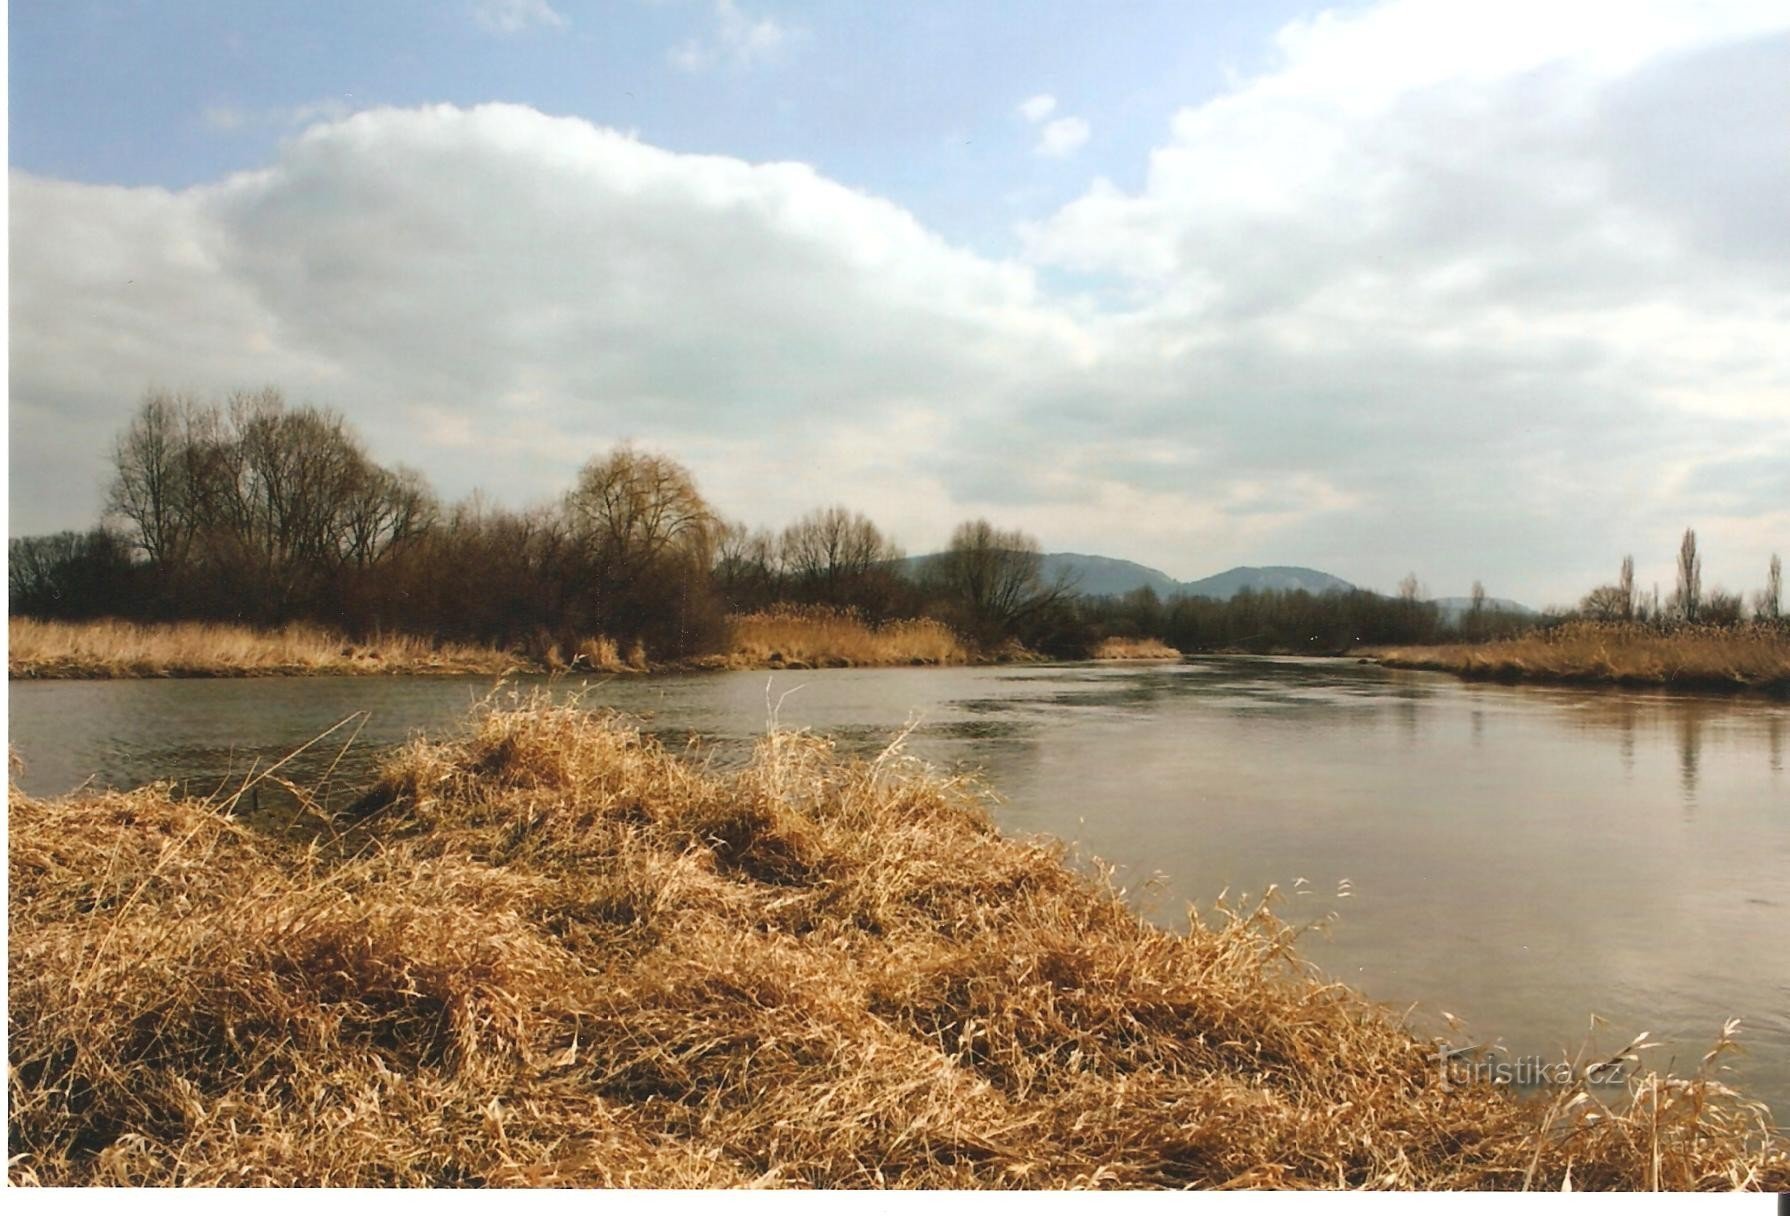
(553, 954)
(1753, 656)
(1133, 648)
(793, 636)
(88, 649)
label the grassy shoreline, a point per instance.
(1733, 659)
(111, 649)
(551, 953)
(794, 639)
(1122, 649)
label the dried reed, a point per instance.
(103, 648)
(1133, 648)
(806, 636)
(1754, 656)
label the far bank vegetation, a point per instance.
(258, 515)
(1692, 639)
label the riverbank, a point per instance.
(1745, 658)
(121, 649)
(810, 637)
(551, 953)
(793, 639)
(1133, 648)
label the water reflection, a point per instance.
(1690, 743)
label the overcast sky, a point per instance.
(1495, 291)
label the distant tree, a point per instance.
(748, 570)
(70, 575)
(642, 541)
(1476, 605)
(1768, 604)
(384, 511)
(1720, 608)
(153, 486)
(1625, 584)
(833, 556)
(1606, 603)
(1409, 589)
(1688, 599)
(630, 508)
(994, 580)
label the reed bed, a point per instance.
(1132, 648)
(113, 648)
(800, 636)
(1754, 656)
(552, 953)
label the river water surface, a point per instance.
(1520, 857)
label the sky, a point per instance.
(1494, 291)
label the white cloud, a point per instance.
(1062, 137)
(737, 38)
(1037, 109)
(455, 278)
(1505, 304)
(514, 16)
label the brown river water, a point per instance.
(1520, 857)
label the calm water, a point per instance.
(1520, 857)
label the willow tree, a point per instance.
(643, 542)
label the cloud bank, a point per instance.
(1503, 300)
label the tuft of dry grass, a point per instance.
(1753, 656)
(1133, 648)
(806, 636)
(551, 953)
(107, 648)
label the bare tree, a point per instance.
(1768, 604)
(1720, 608)
(995, 578)
(386, 510)
(152, 488)
(1625, 584)
(1408, 588)
(831, 553)
(641, 551)
(630, 508)
(1606, 603)
(748, 571)
(1689, 597)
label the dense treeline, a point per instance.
(1291, 621)
(254, 511)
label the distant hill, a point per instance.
(1454, 607)
(1265, 578)
(1096, 575)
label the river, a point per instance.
(1520, 857)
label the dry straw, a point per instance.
(107, 647)
(551, 953)
(1752, 656)
(808, 636)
